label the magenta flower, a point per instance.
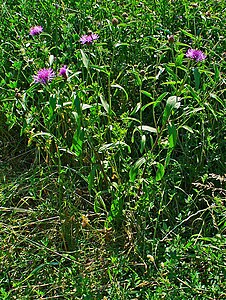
(197, 55)
(44, 76)
(63, 72)
(36, 30)
(89, 38)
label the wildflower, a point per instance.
(198, 55)
(36, 30)
(44, 76)
(88, 38)
(63, 71)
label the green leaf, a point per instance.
(172, 136)
(17, 64)
(221, 101)
(188, 34)
(105, 104)
(134, 170)
(121, 44)
(194, 94)
(76, 103)
(160, 98)
(52, 107)
(179, 59)
(91, 177)
(100, 69)
(172, 82)
(85, 59)
(77, 142)
(12, 84)
(171, 103)
(96, 205)
(160, 172)
(170, 72)
(116, 145)
(116, 207)
(51, 59)
(187, 128)
(121, 88)
(216, 73)
(147, 94)
(142, 143)
(167, 159)
(147, 128)
(136, 109)
(138, 79)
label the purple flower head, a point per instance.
(197, 55)
(89, 38)
(44, 76)
(63, 72)
(36, 30)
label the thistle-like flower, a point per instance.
(44, 76)
(36, 30)
(89, 38)
(197, 55)
(63, 72)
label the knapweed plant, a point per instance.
(112, 150)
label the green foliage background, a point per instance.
(112, 182)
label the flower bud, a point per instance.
(171, 38)
(115, 21)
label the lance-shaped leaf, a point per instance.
(171, 103)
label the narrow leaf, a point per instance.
(121, 88)
(171, 103)
(134, 170)
(85, 59)
(160, 172)
(105, 104)
(172, 136)
(147, 128)
(51, 59)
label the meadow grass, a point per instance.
(112, 150)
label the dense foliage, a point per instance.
(112, 150)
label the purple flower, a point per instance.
(44, 76)
(36, 30)
(63, 71)
(198, 55)
(88, 38)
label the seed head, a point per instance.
(115, 21)
(171, 38)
